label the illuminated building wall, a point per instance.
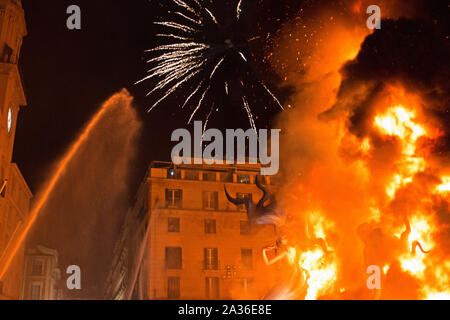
(42, 276)
(198, 244)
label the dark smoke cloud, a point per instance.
(413, 53)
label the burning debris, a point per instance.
(366, 161)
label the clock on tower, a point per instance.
(14, 192)
(9, 124)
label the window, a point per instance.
(210, 200)
(246, 283)
(245, 227)
(173, 198)
(226, 177)
(191, 175)
(35, 292)
(247, 258)
(210, 226)
(243, 178)
(173, 257)
(173, 288)
(209, 176)
(211, 259)
(173, 225)
(243, 196)
(173, 174)
(37, 268)
(7, 54)
(212, 287)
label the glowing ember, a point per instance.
(399, 122)
(413, 262)
(321, 274)
(445, 186)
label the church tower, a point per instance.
(14, 193)
(12, 97)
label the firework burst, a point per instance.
(203, 57)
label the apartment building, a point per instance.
(184, 240)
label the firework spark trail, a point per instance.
(174, 88)
(175, 25)
(199, 104)
(272, 95)
(205, 125)
(192, 94)
(212, 16)
(238, 9)
(243, 56)
(217, 66)
(194, 62)
(188, 18)
(186, 6)
(169, 35)
(249, 113)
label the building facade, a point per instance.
(42, 275)
(183, 239)
(14, 193)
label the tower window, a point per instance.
(7, 54)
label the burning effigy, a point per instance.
(366, 161)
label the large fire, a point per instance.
(365, 186)
(402, 241)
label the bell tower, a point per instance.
(12, 97)
(14, 193)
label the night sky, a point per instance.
(68, 74)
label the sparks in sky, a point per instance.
(205, 57)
